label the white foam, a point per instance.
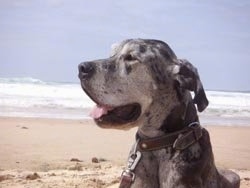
(18, 96)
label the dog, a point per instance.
(144, 84)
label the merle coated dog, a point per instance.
(144, 84)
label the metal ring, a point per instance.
(193, 124)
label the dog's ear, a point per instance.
(114, 48)
(188, 78)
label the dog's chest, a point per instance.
(166, 166)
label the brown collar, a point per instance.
(179, 140)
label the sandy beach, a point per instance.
(43, 153)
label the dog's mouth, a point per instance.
(108, 116)
(103, 114)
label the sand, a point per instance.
(53, 153)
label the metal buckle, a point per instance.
(195, 129)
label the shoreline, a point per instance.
(207, 118)
(46, 146)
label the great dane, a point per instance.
(144, 84)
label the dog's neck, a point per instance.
(181, 115)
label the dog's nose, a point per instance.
(86, 70)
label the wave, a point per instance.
(22, 80)
(228, 99)
(30, 93)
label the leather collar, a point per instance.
(179, 140)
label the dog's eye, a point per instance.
(129, 57)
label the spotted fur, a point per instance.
(149, 73)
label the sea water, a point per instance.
(29, 97)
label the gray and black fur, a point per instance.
(146, 85)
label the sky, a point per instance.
(47, 39)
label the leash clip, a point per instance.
(134, 160)
(128, 175)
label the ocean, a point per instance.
(29, 97)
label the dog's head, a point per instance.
(139, 76)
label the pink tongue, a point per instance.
(99, 111)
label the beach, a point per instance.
(39, 152)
